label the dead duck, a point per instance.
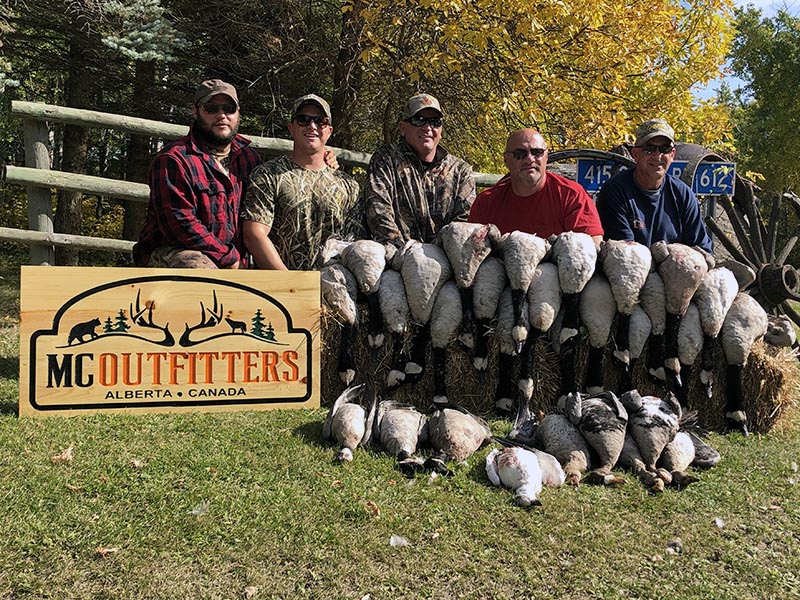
(400, 429)
(520, 470)
(601, 420)
(348, 423)
(652, 423)
(454, 434)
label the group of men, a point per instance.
(214, 204)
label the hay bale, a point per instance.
(770, 379)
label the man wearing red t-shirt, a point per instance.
(532, 200)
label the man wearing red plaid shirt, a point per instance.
(196, 186)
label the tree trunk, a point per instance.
(347, 77)
(138, 159)
(68, 218)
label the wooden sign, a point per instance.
(167, 340)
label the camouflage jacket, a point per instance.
(405, 199)
(302, 208)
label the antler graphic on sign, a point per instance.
(208, 318)
(137, 316)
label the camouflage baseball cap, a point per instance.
(654, 128)
(311, 99)
(421, 102)
(211, 87)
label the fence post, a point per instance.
(40, 202)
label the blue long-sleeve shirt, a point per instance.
(671, 214)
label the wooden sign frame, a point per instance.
(167, 340)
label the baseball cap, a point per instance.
(311, 99)
(421, 102)
(654, 128)
(211, 87)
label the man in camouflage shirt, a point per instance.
(294, 203)
(415, 187)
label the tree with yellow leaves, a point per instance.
(583, 73)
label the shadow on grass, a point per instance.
(9, 367)
(9, 407)
(311, 433)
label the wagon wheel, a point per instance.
(776, 282)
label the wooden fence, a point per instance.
(39, 178)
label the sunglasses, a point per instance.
(434, 122)
(304, 120)
(213, 108)
(521, 153)
(662, 149)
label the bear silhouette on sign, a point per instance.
(82, 329)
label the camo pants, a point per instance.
(178, 258)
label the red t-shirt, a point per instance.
(561, 205)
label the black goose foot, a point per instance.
(740, 426)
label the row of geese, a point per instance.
(584, 440)
(474, 283)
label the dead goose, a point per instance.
(626, 265)
(654, 303)
(400, 428)
(445, 319)
(454, 434)
(339, 289)
(490, 281)
(601, 420)
(467, 245)
(597, 309)
(745, 323)
(395, 311)
(630, 459)
(575, 254)
(348, 424)
(652, 423)
(557, 436)
(676, 458)
(520, 470)
(683, 269)
(506, 391)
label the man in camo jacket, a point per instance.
(415, 187)
(295, 202)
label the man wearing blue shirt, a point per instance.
(647, 204)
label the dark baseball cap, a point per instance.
(211, 87)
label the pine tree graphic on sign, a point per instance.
(270, 334)
(108, 326)
(258, 324)
(121, 322)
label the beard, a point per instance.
(207, 136)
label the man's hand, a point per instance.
(330, 159)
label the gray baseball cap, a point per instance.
(311, 99)
(211, 87)
(420, 102)
(654, 128)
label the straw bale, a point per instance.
(770, 379)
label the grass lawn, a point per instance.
(244, 505)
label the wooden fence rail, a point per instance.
(39, 179)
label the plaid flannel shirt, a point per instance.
(194, 204)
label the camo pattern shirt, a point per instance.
(406, 199)
(303, 208)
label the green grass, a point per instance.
(282, 517)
